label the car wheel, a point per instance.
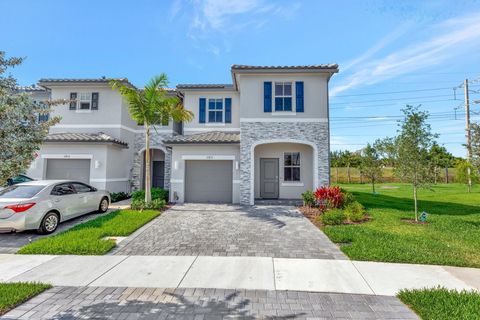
(49, 223)
(103, 206)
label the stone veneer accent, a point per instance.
(254, 132)
(156, 142)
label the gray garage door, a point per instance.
(208, 181)
(71, 169)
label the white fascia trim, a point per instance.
(176, 181)
(107, 126)
(208, 157)
(109, 180)
(322, 120)
(67, 156)
(283, 113)
(292, 184)
(209, 129)
(237, 181)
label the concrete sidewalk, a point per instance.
(253, 273)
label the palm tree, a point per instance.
(150, 106)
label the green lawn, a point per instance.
(451, 237)
(86, 238)
(442, 304)
(13, 294)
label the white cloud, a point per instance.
(175, 8)
(208, 16)
(449, 38)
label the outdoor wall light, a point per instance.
(237, 165)
(97, 164)
(175, 165)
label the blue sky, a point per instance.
(420, 50)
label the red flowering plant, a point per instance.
(329, 198)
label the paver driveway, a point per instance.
(226, 230)
(69, 303)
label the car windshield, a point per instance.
(20, 191)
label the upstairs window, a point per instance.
(291, 166)
(283, 96)
(42, 116)
(84, 101)
(215, 110)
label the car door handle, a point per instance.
(57, 200)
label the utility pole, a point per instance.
(468, 133)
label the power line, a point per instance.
(389, 104)
(390, 99)
(391, 92)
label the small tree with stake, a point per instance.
(414, 142)
(371, 164)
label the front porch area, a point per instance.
(282, 172)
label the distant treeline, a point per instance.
(353, 175)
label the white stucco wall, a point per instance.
(252, 95)
(207, 152)
(287, 189)
(113, 169)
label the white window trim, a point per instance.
(79, 101)
(207, 116)
(294, 107)
(292, 182)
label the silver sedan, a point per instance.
(41, 205)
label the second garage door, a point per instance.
(208, 181)
(69, 169)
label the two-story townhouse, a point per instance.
(96, 140)
(266, 136)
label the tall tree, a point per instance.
(440, 158)
(151, 106)
(462, 174)
(347, 159)
(21, 132)
(335, 162)
(387, 150)
(475, 134)
(371, 164)
(414, 142)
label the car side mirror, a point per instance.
(10, 181)
(94, 189)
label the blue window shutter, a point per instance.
(299, 96)
(202, 106)
(267, 96)
(228, 110)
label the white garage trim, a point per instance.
(176, 181)
(208, 157)
(252, 161)
(67, 156)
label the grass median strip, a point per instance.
(442, 304)
(86, 238)
(450, 237)
(13, 294)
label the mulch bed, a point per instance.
(312, 214)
